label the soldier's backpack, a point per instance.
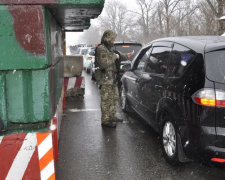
(98, 75)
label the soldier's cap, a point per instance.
(108, 35)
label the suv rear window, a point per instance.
(215, 66)
(181, 57)
(126, 48)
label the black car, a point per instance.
(177, 85)
(121, 47)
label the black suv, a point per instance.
(177, 85)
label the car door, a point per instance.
(153, 80)
(132, 77)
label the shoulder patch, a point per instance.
(104, 56)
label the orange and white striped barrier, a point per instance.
(45, 155)
(74, 86)
(27, 156)
(31, 155)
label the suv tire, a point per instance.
(123, 100)
(169, 140)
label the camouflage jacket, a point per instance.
(106, 59)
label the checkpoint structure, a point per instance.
(32, 88)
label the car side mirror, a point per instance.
(126, 67)
(92, 53)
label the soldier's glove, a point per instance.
(119, 53)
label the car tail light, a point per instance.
(125, 46)
(218, 160)
(209, 97)
(89, 58)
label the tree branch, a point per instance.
(212, 7)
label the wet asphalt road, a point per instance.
(130, 152)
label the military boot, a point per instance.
(109, 124)
(115, 119)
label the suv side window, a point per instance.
(143, 57)
(157, 62)
(181, 57)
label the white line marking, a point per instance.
(45, 146)
(82, 110)
(23, 157)
(48, 170)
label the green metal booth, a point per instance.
(31, 63)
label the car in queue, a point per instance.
(88, 58)
(82, 51)
(177, 85)
(121, 47)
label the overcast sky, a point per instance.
(72, 38)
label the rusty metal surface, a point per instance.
(22, 41)
(75, 18)
(29, 27)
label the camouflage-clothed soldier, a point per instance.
(106, 58)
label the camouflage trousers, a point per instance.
(109, 102)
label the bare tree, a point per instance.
(160, 18)
(173, 13)
(166, 10)
(144, 16)
(155, 19)
(117, 18)
(206, 19)
(91, 36)
(217, 7)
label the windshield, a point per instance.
(84, 51)
(126, 48)
(93, 49)
(215, 66)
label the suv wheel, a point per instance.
(123, 99)
(169, 141)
